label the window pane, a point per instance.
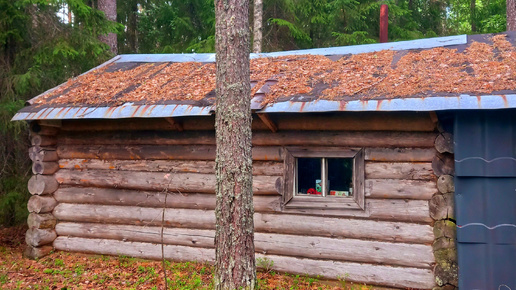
(309, 176)
(340, 176)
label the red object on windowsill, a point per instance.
(313, 191)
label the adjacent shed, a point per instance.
(353, 161)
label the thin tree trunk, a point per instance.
(511, 15)
(109, 8)
(234, 255)
(132, 22)
(473, 18)
(258, 26)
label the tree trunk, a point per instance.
(132, 22)
(257, 26)
(234, 257)
(109, 8)
(473, 13)
(511, 15)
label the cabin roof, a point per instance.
(444, 73)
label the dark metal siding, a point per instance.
(485, 186)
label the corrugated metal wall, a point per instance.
(485, 188)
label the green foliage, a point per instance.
(177, 26)
(38, 52)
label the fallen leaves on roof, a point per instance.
(481, 69)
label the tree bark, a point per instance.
(257, 26)
(511, 15)
(234, 256)
(109, 8)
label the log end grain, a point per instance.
(40, 184)
(41, 204)
(39, 237)
(41, 221)
(444, 143)
(445, 184)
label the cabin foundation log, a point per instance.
(360, 272)
(37, 252)
(38, 237)
(419, 256)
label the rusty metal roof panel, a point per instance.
(352, 49)
(462, 102)
(120, 112)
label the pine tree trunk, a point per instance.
(132, 26)
(109, 8)
(257, 26)
(511, 15)
(234, 255)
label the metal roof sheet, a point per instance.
(426, 101)
(121, 112)
(352, 49)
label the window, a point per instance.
(324, 178)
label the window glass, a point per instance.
(309, 176)
(340, 176)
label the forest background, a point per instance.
(45, 42)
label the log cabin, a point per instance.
(357, 156)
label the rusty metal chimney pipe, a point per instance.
(384, 23)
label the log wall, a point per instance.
(42, 185)
(114, 185)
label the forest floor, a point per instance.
(63, 270)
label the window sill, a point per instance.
(313, 202)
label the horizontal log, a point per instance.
(400, 154)
(43, 140)
(260, 138)
(270, 223)
(42, 184)
(271, 168)
(159, 124)
(160, 152)
(51, 123)
(363, 121)
(351, 121)
(399, 170)
(400, 188)
(43, 154)
(122, 197)
(41, 221)
(43, 129)
(402, 277)
(398, 277)
(37, 252)
(396, 209)
(173, 182)
(41, 204)
(44, 168)
(38, 237)
(399, 254)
